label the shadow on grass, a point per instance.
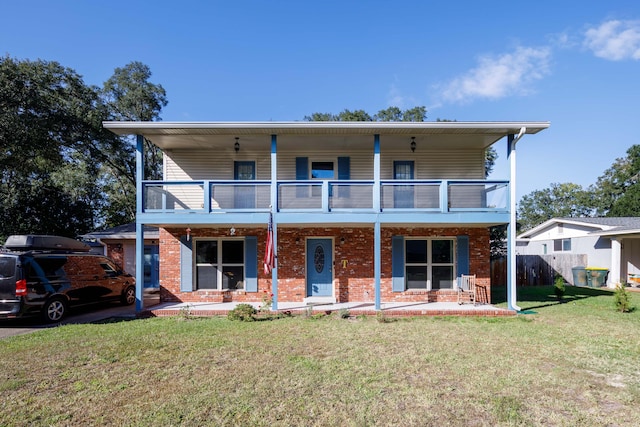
(114, 319)
(544, 296)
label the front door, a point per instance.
(151, 266)
(244, 195)
(319, 268)
(403, 194)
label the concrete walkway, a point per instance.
(354, 308)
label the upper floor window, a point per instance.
(562, 245)
(322, 170)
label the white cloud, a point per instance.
(614, 40)
(501, 76)
(395, 98)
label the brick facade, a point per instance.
(353, 264)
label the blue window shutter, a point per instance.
(463, 254)
(251, 264)
(344, 166)
(397, 263)
(302, 168)
(186, 265)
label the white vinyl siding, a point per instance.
(453, 164)
(209, 164)
(186, 165)
(361, 163)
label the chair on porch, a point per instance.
(467, 286)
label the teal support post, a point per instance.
(274, 211)
(139, 225)
(377, 234)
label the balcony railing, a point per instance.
(206, 196)
(327, 196)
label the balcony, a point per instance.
(428, 196)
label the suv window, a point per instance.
(7, 266)
(109, 269)
(49, 267)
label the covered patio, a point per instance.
(395, 309)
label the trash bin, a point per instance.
(596, 277)
(579, 276)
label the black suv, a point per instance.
(46, 275)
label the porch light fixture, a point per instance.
(232, 231)
(236, 146)
(413, 144)
(188, 234)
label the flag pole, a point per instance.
(270, 259)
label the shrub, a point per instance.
(621, 299)
(343, 313)
(559, 287)
(242, 312)
(267, 302)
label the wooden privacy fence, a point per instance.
(537, 270)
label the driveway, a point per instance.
(80, 315)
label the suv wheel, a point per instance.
(54, 310)
(129, 295)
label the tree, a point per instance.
(129, 95)
(560, 200)
(47, 114)
(61, 172)
(391, 114)
(617, 191)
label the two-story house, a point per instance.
(356, 211)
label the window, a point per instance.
(562, 245)
(544, 249)
(46, 267)
(429, 263)
(109, 269)
(220, 264)
(322, 170)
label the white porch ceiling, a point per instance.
(434, 135)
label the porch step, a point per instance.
(319, 300)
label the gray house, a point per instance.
(612, 243)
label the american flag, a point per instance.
(269, 256)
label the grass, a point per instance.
(571, 363)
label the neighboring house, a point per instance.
(119, 244)
(361, 211)
(612, 243)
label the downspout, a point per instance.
(511, 238)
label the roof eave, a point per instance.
(132, 128)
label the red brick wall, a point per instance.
(353, 264)
(479, 263)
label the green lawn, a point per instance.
(576, 364)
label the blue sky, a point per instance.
(573, 63)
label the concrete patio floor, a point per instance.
(355, 308)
